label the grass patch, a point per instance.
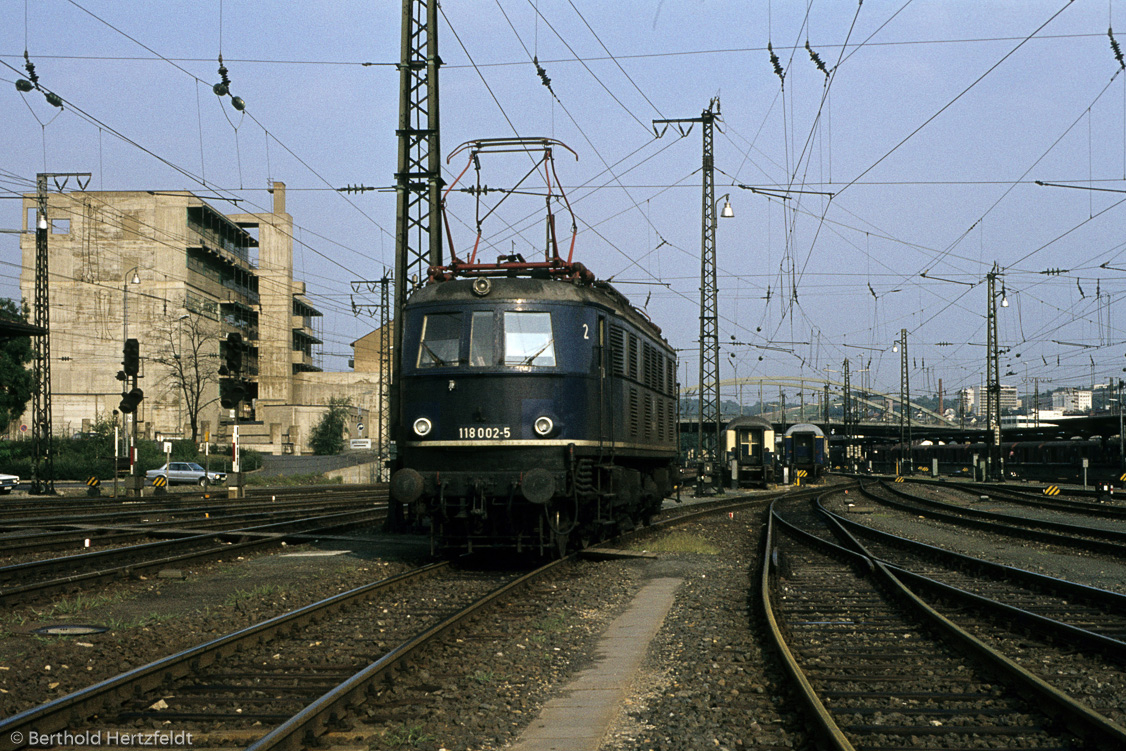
(678, 542)
(404, 736)
(80, 604)
(251, 594)
(482, 676)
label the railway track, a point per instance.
(273, 685)
(1108, 539)
(35, 580)
(881, 668)
(36, 535)
(284, 675)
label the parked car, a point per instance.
(7, 482)
(186, 473)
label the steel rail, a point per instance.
(1103, 597)
(1010, 525)
(1026, 498)
(58, 714)
(13, 543)
(262, 535)
(824, 726)
(300, 731)
(1091, 722)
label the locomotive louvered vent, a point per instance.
(648, 417)
(631, 356)
(670, 416)
(659, 363)
(649, 356)
(670, 380)
(617, 350)
(633, 416)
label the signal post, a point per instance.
(232, 392)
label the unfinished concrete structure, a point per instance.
(168, 269)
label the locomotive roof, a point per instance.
(521, 288)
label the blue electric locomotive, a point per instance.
(537, 406)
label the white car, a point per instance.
(186, 472)
(7, 482)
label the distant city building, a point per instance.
(966, 401)
(1009, 399)
(1070, 400)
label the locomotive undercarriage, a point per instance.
(539, 511)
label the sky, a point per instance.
(888, 181)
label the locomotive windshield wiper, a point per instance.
(538, 352)
(437, 360)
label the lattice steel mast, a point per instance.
(706, 445)
(43, 462)
(418, 179)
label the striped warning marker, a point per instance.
(159, 481)
(899, 479)
(93, 482)
(1122, 477)
(801, 473)
(1052, 490)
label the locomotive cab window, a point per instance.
(441, 337)
(482, 339)
(528, 339)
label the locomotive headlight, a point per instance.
(422, 426)
(543, 426)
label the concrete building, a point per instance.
(966, 401)
(1071, 400)
(168, 269)
(1010, 401)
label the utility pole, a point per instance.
(386, 344)
(993, 377)
(904, 403)
(386, 337)
(418, 177)
(848, 416)
(709, 331)
(43, 462)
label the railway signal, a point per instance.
(130, 400)
(231, 392)
(131, 357)
(233, 355)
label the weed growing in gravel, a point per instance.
(404, 736)
(554, 622)
(263, 590)
(79, 604)
(678, 542)
(482, 676)
(116, 624)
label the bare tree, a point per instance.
(189, 353)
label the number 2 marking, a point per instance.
(586, 331)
